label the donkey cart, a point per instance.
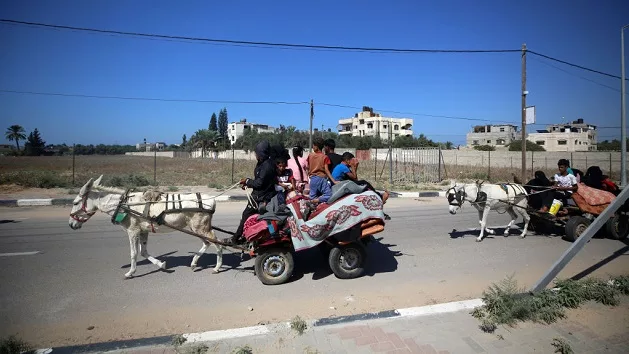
(589, 204)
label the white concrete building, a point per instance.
(575, 136)
(159, 146)
(494, 135)
(237, 129)
(368, 123)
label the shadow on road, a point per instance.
(208, 260)
(624, 251)
(380, 259)
(9, 221)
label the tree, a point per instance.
(487, 147)
(15, 132)
(204, 139)
(222, 124)
(34, 144)
(213, 125)
(184, 141)
(516, 145)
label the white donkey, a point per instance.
(508, 197)
(94, 197)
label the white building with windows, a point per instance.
(237, 129)
(368, 123)
(575, 136)
(493, 135)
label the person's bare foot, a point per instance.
(385, 196)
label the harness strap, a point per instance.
(178, 197)
(200, 200)
(167, 201)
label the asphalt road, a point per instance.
(76, 281)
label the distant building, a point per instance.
(237, 129)
(368, 123)
(575, 136)
(159, 146)
(493, 135)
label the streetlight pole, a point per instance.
(623, 107)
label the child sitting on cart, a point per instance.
(285, 179)
(347, 170)
(564, 185)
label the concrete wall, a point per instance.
(508, 159)
(159, 153)
(539, 159)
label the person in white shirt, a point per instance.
(564, 185)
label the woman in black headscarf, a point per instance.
(539, 186)
(262, 185)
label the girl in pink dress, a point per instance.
(299, 165)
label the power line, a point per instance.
(416, 114)
(149, 98)
(573, 65)
(253, 43)
(263, 102)
(573, 74)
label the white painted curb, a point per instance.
(440, 308)
(34, 202)
(407, 194)
(226, 334)
(448, 307)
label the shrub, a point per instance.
(34, 179)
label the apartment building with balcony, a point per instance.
(368, 123)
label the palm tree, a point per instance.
(204, 139)
(15, 132)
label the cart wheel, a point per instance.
(618, 227)
(274, 266)
(348, 261)
(575, 227)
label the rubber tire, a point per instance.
(573, 225)
(289, 266)
(612, 227)
(334, 260)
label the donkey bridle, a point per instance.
(459, 196)
(88, 214)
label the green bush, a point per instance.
(34, 179)
(485, 148)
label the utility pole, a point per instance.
(390, 154)
(623, 111)
(311, 118)
(524, 93)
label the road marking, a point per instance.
(19, 254)
(440, 308)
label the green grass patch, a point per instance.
(507, 304)
(14, 345)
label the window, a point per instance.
(362, 121)
(488, 141)
(500, 142)
(396, 127)
(502, 129)
(384, 126)
(475, 142)
(369, 125)
(540, 142)
(562, 142)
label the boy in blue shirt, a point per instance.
(346, 170)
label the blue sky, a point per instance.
(484, 86)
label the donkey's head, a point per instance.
(456, 195)
(84, 204)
